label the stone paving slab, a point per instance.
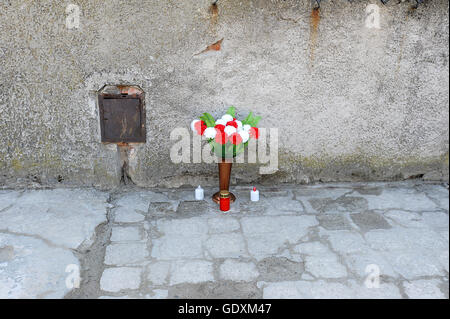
(41, 234)
(30, 268)
(66, 218)
(365, 240)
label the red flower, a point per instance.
(220, 128)
(236, 139)
(221, 137)
(200, 127)
(254, 133)
(232, 123)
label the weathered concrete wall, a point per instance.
(351, 103)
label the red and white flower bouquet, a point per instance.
(227, 136)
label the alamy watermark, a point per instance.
(73, 12)
(73, 280)
(194, 148)
(372, 20)
(373, 277)
(372, 16)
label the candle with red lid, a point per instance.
(254, 195)
(224, 201)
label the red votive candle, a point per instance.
(224, 201)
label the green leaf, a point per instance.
(232, 111)
(255, 121)
(208, 119)
(248, 119)
(251, 120)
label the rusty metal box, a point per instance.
(122, 118)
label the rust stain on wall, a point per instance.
(214, 11)
(122, 144)
(125, 89)
(216, 46)
(314, 27)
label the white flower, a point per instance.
(221, 122)
(245, 136)
(247, 127)
(230, 130)
(227, 118)
(239, 124)
(193, 124)
(210, 132)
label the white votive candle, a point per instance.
(199, 193)
(254, 195)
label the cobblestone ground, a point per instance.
(329, 241)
